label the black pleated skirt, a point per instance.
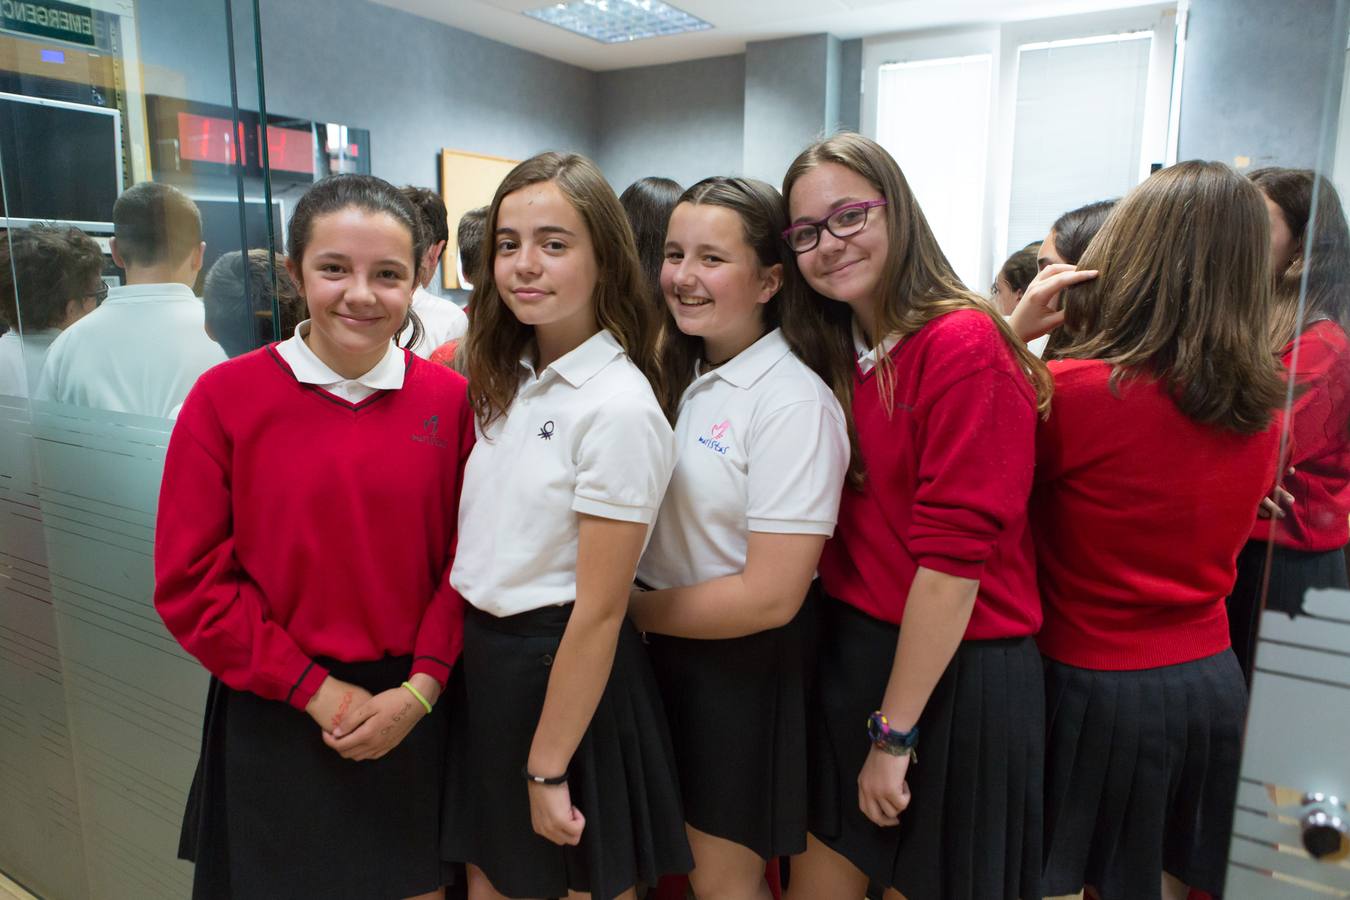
(622, 776)
(1292, 574)
(737, 712)
(973, 827)
(1141, 775)
(274, 814)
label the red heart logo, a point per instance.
(720, 429)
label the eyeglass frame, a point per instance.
(99, 294)
(818, 224)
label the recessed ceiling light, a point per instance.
(616, 21)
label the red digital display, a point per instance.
(290, 149)
(207, 139)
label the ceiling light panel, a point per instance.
(618, 21)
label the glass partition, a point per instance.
(147, 114)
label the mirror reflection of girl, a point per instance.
(1135, 558)
(561, 778)
(302, 549)
(930, 573)
(762, 449)
(1310, 259)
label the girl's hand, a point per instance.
(377, 726)
(553, 815)
(333, 702)
(882, 791)
(1039, 312)
(1273, 507)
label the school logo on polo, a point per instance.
(430, 426)
(713, 439)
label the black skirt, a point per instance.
(1141, 775)
(973, 827)
(622, 776)
(737, 712)
(274, 813)
(1292, 574)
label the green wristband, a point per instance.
(418, 694)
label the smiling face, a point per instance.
(713, 281)
(357, 278)
(544, 263)
(845, 269)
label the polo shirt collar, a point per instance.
(387, 375)
(748, 366)
(869, 355)
(138, 293)
(585, 361)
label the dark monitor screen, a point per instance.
(220, 227)
(62, 162)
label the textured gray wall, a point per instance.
(416, 85)
(787, 100)
(682, 121)
(850, 85)
(1255, 78)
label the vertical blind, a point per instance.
(933, 117)
(1079, 128)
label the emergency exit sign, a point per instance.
(49, 19)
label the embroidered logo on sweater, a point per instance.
(713, 439)
(430, 426)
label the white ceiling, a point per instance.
(734, 23)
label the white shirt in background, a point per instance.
(442, 322)
(761, 444)
(387, 375)
(140, 352)
(21, 359)
(585, 435)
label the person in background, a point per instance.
(469, 236)
(649, 202)
(926, 631)
(305, 532)
(1072, 232)
(433, 320)
(143, 348)
(1013, 278)
(49, 280)
(238, 296)
(1310, 244)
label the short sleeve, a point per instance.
(624, 459)
(798, 457)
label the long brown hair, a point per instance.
(497, 340)
(1312, 210)
(802, 317)
(918, 284)
(1184, 288)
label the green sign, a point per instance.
(49, 19)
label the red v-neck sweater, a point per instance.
(1139, 513)
(293, 524)
(1319, 518)
(949, 472)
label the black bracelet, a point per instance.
(540, 779)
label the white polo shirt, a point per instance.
(761, 445)
(387, 375)
(139, 352)
(585, 435)
(442, 321)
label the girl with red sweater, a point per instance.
(1159, 446)
(304, 539)
(925, 638)
(1310, 244)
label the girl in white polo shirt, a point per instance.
(561, 777)
(762, 449)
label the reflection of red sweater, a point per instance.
(948, 476)
(1319, 519)
(1139, 513)
(293, 524)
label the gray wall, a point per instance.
(790, 99)
(1255, 77)
(416, 85)
(682, 120)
